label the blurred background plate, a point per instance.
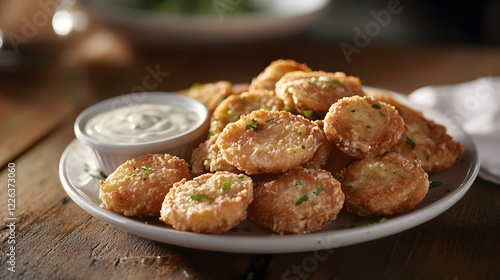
(206, 21)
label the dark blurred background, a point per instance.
(99, 50)
(427, 21)
(417, 22)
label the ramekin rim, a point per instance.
(191, 134)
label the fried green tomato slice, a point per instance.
(312, 93)
(207, 158)
(199, 158)
(322, 154)
(297, 202)
(267, 79)
(210, 203)
(423, 139)
(363, 127)
(269, 141)
(210, 94)
(234, 106)
(383, 186)
(138, 186)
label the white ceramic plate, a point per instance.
(78, 167)
(276, 18)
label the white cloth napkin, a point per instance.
(475, 107)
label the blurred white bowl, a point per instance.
(273, 18)
(111, 155)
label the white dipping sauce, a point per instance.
(140, 123)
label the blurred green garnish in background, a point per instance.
(199, 7)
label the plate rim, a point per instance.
(274, 243)
(189, 29)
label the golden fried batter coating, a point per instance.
(383, 186)
(199, 158)
(138, 186)
(240, 88)
(423, 140)
(337, 160)
(322, 154)
(363, 127)
(267, 79)
(387, 98)
(234, 106)
(207, 157)
(269, 141)
(216, 161)
(210, 203)
(210, 94)
(299, 201)
(312, 93)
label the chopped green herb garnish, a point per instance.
(318, 190)
(382, 220)
(198, 197)
(252, 125)
(241, 177)
(226, 186)
(229, 112)
(376, 106)
(302, 199)
(103, 175)
(271, 120)
(96, 174)
(434, 184)
(410, 142)
(289, 110)
(324, 80)
(368, 126)
(146, 170)
(195, 85)
(250, 275)
(298, 183)
(303, 147)
(308, 113)
(352, 111)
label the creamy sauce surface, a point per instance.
(140, 123)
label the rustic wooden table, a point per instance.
(56, 239)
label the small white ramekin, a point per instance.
(112, 155)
